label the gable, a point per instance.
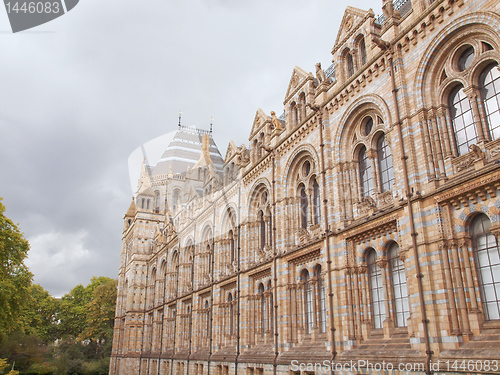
(258, 123)
(231, 150)
(299, 76)
(351, 22)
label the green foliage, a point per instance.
(39, 315)
(75, 305)
(101, 312)
(15, 277)
(24, 350)
(43, 335)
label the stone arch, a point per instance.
(355, 111)
(488, 21)
(256, 189)
(294, 160)
(468, 213)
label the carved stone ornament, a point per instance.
(385, 199)
(276, 123)
(320, 74)
(242, 157)
(301, 236)
(366, 207)
(465, 163)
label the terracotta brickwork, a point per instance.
(360, 228)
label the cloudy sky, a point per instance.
(80, 93)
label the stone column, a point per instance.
(460, 287)
(348, 273)
(372, 155)
(473, 95)
(447, 129)
(388, 322)
(359, 335)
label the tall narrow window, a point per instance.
(490, 92)
(157, 201)
(350, 65)
(487, 256)
(263, 310)
(362, 50)
(207, 319)
(384, 157)
(316, 200)
(365, 173)
(304, 207)
(376, 290)
(308, 302)
(321, 300)
(231, 246)
(176, 199)
(262, 230)
(400, 292)
(463, 122)
(270, 228)
(231, 314)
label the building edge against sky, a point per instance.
(359, 227)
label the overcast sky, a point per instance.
(80, 93)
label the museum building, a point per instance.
(360, 226)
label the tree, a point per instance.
(101, 312)
(15, 278)
(39, 315)
(74, 306)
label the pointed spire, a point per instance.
(132, 209)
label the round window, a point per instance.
(367, 128)
(465, 59)
(306, 168)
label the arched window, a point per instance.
(321, 299)
(490, 92)
(362, 50)
(304, 207)
(231, 246)
(231, 314)
(308, 302)
(386, 170)
(399, 290)
(463, 122)
(270, 229)
(365, 173)
(263, 310)
(207, 318)
(376, 290)
(487, 256)
(176, 199)
(262, 230)
(350, 65)
(295, 111)
(316, 201)
(157, 201)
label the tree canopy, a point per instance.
(15, 278)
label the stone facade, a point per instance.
(360, 226)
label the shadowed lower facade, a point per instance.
(358, 228)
